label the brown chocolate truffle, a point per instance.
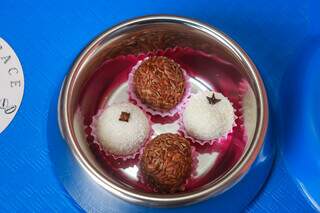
(159, 83)
(166, 162)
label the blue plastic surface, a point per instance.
(280, 37)
(301, 105)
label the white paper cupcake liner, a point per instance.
(244, 87)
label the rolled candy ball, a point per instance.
(122, 129)
(208, 115)
(166, 162)
(159, 83)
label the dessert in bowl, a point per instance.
(154, 110)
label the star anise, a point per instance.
(212, 100)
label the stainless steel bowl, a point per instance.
(147, 34)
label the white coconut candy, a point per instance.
(122, 128)
(208, 116)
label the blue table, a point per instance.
(48, 35)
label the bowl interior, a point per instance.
(203, 44)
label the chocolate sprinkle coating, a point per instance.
(166, 162)
(159, 83)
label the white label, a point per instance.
(11, 84)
